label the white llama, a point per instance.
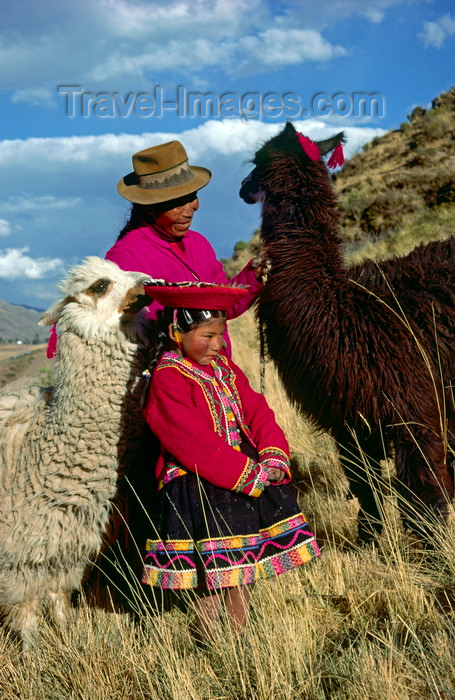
(61, 449)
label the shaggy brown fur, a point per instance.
(367, 352)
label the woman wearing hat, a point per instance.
(157, 239)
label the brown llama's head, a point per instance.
(289, 165)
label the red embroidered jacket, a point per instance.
(200, 415)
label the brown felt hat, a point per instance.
(162, 173)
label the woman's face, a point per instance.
(176, 220)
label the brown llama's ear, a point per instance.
(331, 143)
(289, 129)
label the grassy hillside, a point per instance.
(359, 624)
(400, 191)
(24, 365)
(397, 193)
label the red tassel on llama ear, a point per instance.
(337, 157)
(309, 147)
(52, 342)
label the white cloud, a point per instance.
(34, 96)
(36, 204)
(173, 18)
(278, 47)
(121, 45)
(86, 153)
(317, 16)
(5, 227)
(126, 44)
(72, 208)
(14, 264)
(255, 52)
(435, 33)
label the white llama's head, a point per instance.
(98, 299)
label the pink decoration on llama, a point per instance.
(309, 147)
(337, 157)
(52, 342)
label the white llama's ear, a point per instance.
(54, 312)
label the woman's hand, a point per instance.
(261, 266)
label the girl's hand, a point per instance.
(275, 474)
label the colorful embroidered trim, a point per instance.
(252, 480)
(172, 472)
(277, 458)
(274, 457)
(274, 452)
(224, 562)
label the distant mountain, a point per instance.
(26, 306)
(20, 323)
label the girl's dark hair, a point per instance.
(187, 319)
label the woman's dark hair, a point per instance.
(187, 320)
(138, 217)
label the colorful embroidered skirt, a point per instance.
(207, 537)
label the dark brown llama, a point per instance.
(367, 353)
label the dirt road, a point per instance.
(7, 351)
(23, 365)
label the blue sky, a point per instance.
(130, 62)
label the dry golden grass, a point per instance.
(374, 623)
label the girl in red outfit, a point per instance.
(225, 517)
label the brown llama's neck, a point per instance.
(299, 206)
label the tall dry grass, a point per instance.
(374, 623)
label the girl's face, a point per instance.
(203, 343)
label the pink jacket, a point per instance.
(143, 250)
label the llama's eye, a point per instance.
(100, 286)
